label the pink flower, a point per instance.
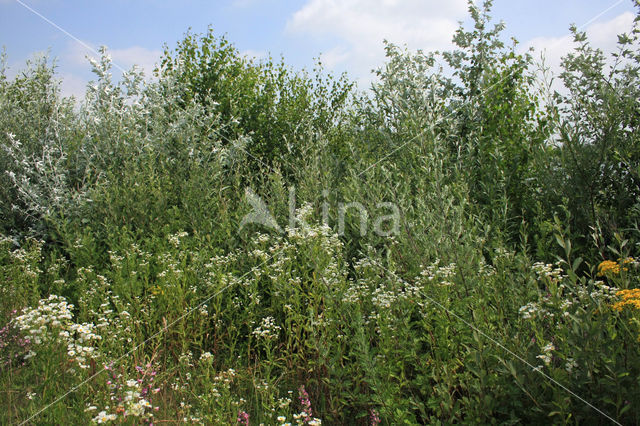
(373, 417)
(305, 402)
(243, 418)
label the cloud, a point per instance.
(144, 58)
(74, 68)
(602, 35)
(254, 54)
(335, 56)
(72, 85)
(360, 26)
(76, 55)
(72, 81)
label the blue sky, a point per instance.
(346, 34)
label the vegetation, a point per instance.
(451, 247)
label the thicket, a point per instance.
(506, 291)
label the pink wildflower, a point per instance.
(373, 417)
(305, 402)
(243, 418)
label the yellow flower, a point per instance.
(629, 298)
(155, 290)
(608, 267)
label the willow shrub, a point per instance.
(278, 107)
(140, 297)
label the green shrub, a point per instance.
(504, 288)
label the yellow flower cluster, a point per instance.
(156, 290)
(629, 298)
(610, 267)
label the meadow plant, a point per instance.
(133, 290)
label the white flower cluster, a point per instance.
(263, 238)
(174, 239)
(135, 405)
(306, 230)
(440, 274)
(222, 382)
(570, 302)
(485, 269)
(28, 258)
(545, 356)
(600, 292)
(79, 338)
(284, 402)
(103, 417)
(547, 270)
(260, 255)
(383, 298)
(51, 315)
(132, 404)
(534, 310)
(268, 329)
(186, 359)
(206, 357)
(169, 265)
(51, 321)
(570, 365)
(228, 259)
(116, 259)
(302, 418)
(355, 291)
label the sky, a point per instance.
(346, 35)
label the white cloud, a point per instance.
(360, 26)
(335, 56)
(72, 85)
(254, 54)
(602, 35)
(74, 66)
(136, 55)
(76, 55)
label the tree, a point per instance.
(275, 106)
